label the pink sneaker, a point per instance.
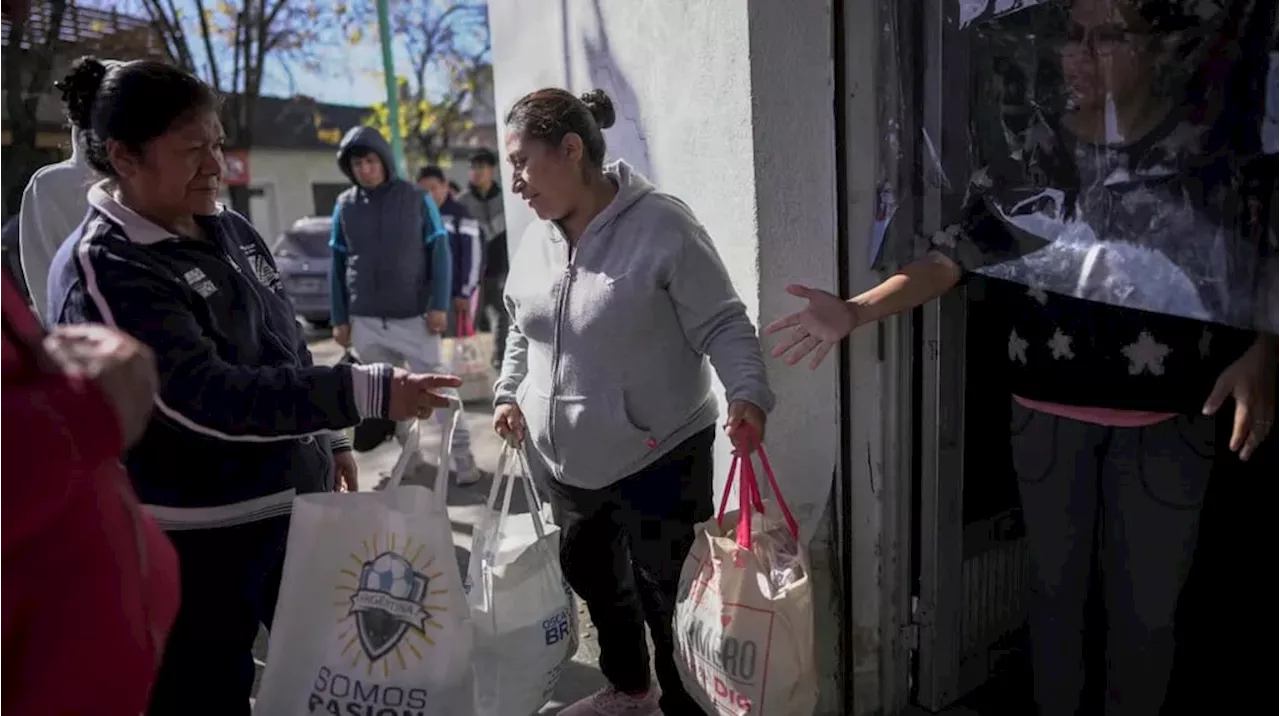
(611, 702)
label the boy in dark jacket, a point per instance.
(464, 241)
(391, 278)
(483, 198)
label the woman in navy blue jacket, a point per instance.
(243, 420)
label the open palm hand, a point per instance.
(816, 329)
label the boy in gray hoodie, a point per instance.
(618, 302)
(390, 282)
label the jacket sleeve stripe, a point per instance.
(368, 382)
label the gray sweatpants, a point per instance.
(1134, 495)
(407, 342)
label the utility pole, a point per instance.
(393, 91)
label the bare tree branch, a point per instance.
(171, 33)
(210, 57)
(238, 39)
(448, 48)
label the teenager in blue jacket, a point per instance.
(391, 280)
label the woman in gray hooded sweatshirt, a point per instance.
(617, 298)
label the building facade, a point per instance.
(292, 168)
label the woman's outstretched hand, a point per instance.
(816, 329)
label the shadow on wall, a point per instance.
(627, 139)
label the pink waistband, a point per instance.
(1109, 417)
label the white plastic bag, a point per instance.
(744, 615)
(372, 617)
(523, 610)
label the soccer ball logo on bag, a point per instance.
(388, 607)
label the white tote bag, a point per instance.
(744, 615)
(372, 617)
(469, 356)
(523, 610)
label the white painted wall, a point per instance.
(728, 105)
(287, 176)
(756, 163)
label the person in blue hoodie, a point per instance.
(391, 281)
(243, 420)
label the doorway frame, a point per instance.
(876, 486)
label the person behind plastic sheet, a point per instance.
(1112, 427)
(483, 198)
(243, 419)
(465, 243)
(390, 282)
(76, 541)
(619, 300)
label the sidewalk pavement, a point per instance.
(466, 508)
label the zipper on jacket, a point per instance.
(379, 272)
(562, 302)
(288, 350)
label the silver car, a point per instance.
(302, 255)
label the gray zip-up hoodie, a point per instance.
(607, 354)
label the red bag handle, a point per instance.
(749, 496)
(466, 324)
(777, 494)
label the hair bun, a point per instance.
(601, 107)
(80, 87)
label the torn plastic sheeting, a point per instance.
(1117, 151)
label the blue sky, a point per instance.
(348, 74)
(357, 78)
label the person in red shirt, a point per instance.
(90, 583)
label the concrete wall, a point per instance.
(735, 118)
(728, 105)
(286, 176)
